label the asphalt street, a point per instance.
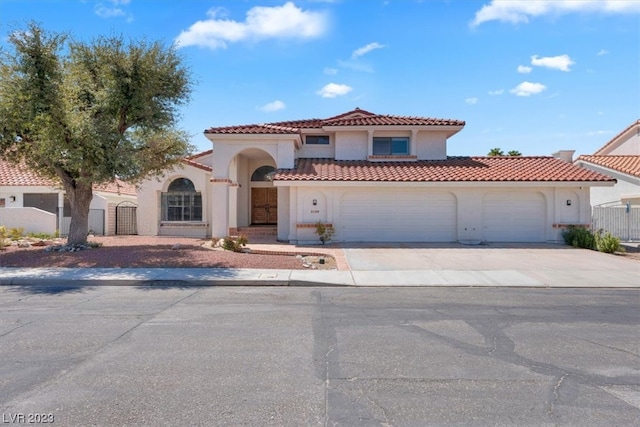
(180, 355)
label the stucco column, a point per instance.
(369, 143)
(413, 144)
(233, 205)
(220, 207)
(293, 214)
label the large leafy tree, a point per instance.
(86, 113)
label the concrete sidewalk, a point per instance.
(252, 277)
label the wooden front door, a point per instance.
(264, 205)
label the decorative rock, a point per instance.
(306, 265)
(39, 243)
(176, 247)
(24, 244)
(298, 256)
(67, 248)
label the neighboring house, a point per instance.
(373, 178)
(38, 204)
(620, 159)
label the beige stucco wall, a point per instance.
(351, 145)
(33, 220)
(149, 202)
(318, 151)
(631, 146)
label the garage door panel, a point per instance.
(388, 216)
(514, 217)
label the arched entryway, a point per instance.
(264, 197)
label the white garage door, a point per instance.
(514, 217)
(397, 216)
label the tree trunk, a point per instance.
(79, 200)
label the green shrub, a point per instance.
(324, 232)
(43, 236)
(607, 243)
(16, 233)
(579, 237)
(235, 244)
(3, 237)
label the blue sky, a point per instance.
(534, 76)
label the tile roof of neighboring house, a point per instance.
(19, 175)
(628, 164)
(12, 175)
(453, 169)
(355, 117)
(604, 149)
(117, 187)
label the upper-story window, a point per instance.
(317, 140)
(396, 145)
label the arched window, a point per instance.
(181, 202)
(263, 173)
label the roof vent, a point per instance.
(564, 155)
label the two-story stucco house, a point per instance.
(619, 158)
(372, 177)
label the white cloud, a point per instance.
(496, 92)
(528, 88)
(366, 49)
(333, 90)
(356, 66)
(560, 62)
(471, 101)
(112, 9)
(330, 71)
(519, 11)
(524, 69)
(602, 52)
(286, 21)
(273, 106)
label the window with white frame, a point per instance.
(394, 145)
(317, 140)
(181, 202)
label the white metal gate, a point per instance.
(622, 221)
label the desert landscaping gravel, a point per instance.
(139, 251)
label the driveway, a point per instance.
(547, 264)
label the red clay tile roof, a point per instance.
(453, 169)
(201, 154)
(12, 175)
(603, 149)
(117, 187)
(195, 164)
(20, 175)
(628, 164)
(355, 117)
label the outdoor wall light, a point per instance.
(568, 202)
(315, 202)
(12, 198)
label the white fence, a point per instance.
(620, 220)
